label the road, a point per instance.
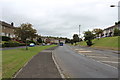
(76, 62)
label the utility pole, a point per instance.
(79, 32)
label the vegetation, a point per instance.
(25, 31)
(12, 44)
(14, 59)
(88, 37)
(75, 38)
(116, 32)
(97, 31)
(5, 38)
(107, 42)
(39, 40)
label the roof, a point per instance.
(109, 27)
(112, 27)
(6, 24)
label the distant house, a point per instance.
(7, 29)
(52, 40)
(110, 30)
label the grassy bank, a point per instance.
(14, 59)
(107, 42)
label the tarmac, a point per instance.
(41, 66)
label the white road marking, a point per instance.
(110, 61)
(97, 56)
(85, 51)
(79, 49)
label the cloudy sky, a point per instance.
(60, 17)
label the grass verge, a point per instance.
(13, 60)
(106, 43)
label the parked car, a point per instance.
(31, 45)
(43, 44)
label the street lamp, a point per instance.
(114, 6)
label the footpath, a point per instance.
(39, 67)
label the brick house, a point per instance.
(7, 29)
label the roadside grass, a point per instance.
(106, 43)
(15, 59)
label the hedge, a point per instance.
(5, 38)
(12, 44)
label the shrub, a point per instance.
(5, 38)
(10, 44)
(22, 44)
(116, 32)
(89, 42)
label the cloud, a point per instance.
(60, 17)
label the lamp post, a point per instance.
(114, 6)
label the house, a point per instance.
(7, 29)
(52, 40)
(110, 30)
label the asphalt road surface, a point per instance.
(78, 62)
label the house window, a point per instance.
(3, 27)
(2, 34)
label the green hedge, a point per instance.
(5, 38)
(12, 44)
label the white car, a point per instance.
(32, 45)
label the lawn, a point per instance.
(13, 60)
(107, 42)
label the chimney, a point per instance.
(12, 24)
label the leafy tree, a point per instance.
(39, 40)
(116, 32)
(67, 40)
(88, 37)
(75, 38)
(25, 31)
(97, 31)
(71, 41)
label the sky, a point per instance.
(60, 18)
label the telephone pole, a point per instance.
(79, 33)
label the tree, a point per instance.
(116, 32)
(75, 38)
(39, 40)
(97, 31)
(88, 37)
(25, 31)
(67, 40)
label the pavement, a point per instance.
(77, 62)
(40, 66)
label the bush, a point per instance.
(22, 44)
(5, 38)
(89, 42)
(12, 44)
(116, 32)
(31, 41)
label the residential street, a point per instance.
(81, 62)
